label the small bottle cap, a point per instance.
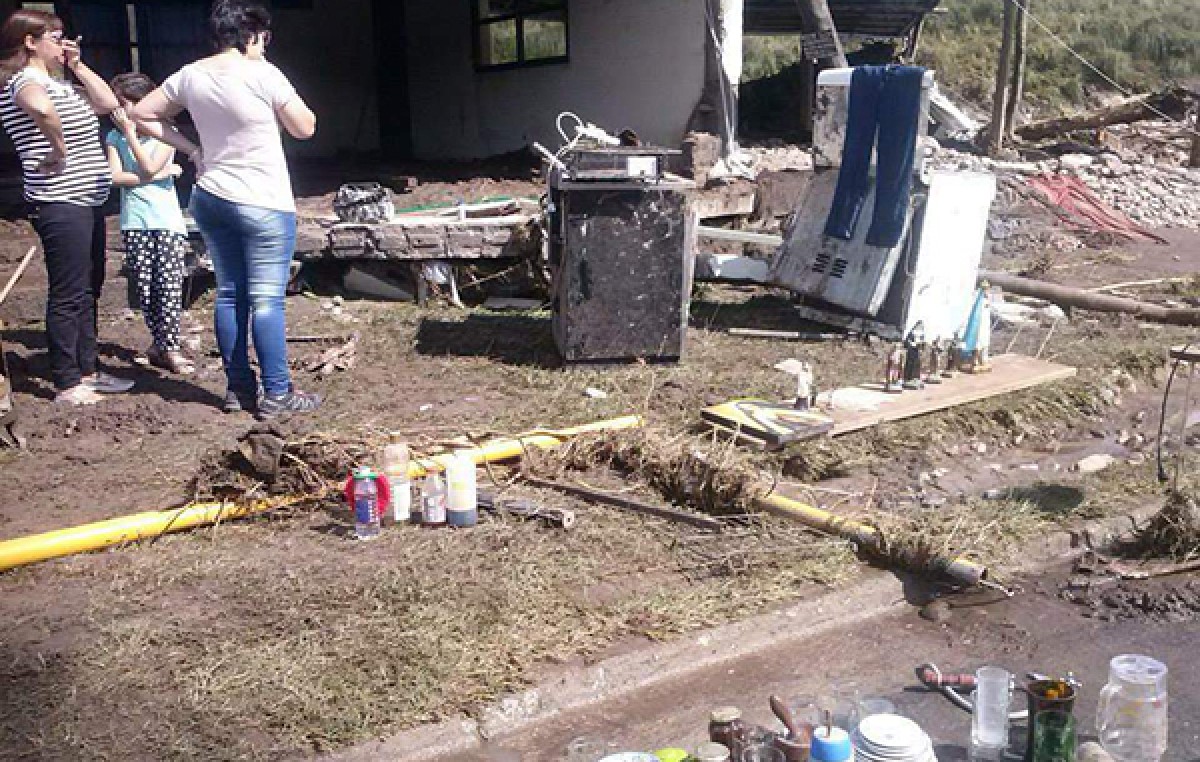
(724, 714)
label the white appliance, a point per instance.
(929, 276)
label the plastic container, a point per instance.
(1131, 714)
(462, 504)
(433, 501)
(366, 505)
(394, 460)
(989, 720)
(831, 745)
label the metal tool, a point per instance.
(526, 509)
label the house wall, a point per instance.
(328, 53)
(633, 63)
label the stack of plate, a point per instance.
(891, 738)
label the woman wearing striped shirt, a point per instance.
(56, 132)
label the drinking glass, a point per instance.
(759, 752)
(989, 720)
(1054, 737)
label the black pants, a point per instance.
(73, 241)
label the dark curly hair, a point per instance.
(132, 86)
(233, 23)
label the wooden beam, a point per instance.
(818, 20)
(738, 236)
(996, 131)
(1173, 103)
(1065, 296)
(617, 501)
(1194, 161)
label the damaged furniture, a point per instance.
(620, 236)
(927, 276)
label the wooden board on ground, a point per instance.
(772, 424)
(860, 407)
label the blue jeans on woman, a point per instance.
(251, 249)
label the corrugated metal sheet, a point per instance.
(882, 18)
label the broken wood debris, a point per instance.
(343, 357)
(1172, 102)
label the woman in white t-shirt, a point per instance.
(243, 200)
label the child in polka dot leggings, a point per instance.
(152, 224)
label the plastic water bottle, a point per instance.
(366, 504)
(395, 467)
(462, 508)
(433, 501)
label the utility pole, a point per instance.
(1018, 72)
(996, 130)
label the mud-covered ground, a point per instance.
(279, 637)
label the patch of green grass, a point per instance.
(1142, 44)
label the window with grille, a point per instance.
(512, 33)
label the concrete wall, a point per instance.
(633, 63)
(328, 53)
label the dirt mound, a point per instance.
(1173, 532)
(1170, 603)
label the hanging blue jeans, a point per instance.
(251, 249)
(885, 105)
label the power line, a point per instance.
(1094, 68)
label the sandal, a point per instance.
(171, 360)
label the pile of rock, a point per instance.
(776, 155)
(1151, 195)
(1149, 183)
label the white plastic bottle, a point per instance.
(461, 500)
(395, 467)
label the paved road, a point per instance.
(1034, 631)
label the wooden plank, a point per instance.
(868, 405)
(739, 236)
(728, 201)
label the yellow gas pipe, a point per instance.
(140, 526)
(961, 570)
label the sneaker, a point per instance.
(271, 405)
(106, 384)
(80, 394)
(237, 402)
